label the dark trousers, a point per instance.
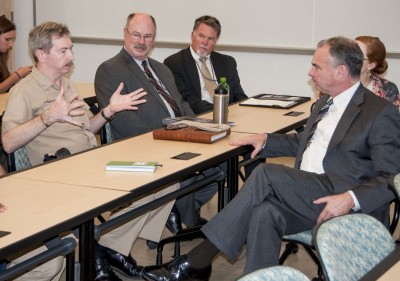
(275, 200)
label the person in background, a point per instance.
(345, 157)
(135, 69)
(7, 39)
(374, 65)
(44, 113)
(7, 77)
(198, 68)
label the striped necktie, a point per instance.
(161, 91)
(320, 116)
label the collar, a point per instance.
(45, 82)
(342, 100)
(195, 56)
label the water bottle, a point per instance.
(221, 101)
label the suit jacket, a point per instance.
(363, 152)
(123, 68)
(187, 79)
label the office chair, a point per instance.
(395, 185)
(275, 273)
(305, 239)
(18, 160)
(351, 245)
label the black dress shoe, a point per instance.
(178, 269)
(125, 265)
(174, 223)
(104, 271)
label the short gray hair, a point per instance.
(41, 36)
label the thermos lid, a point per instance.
(220, 90)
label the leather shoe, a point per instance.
(104, 271)
(174, 223)
(125, 265)
(178, 269)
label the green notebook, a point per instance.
(131, 166)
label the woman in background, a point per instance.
(374, 65)
(7, 38)
(7, 79)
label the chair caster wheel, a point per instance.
(294, 248)
(151, 244)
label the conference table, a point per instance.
(255, 120)
(86, 171)
(40, 210)
(3, 101)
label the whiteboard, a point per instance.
(280, 23)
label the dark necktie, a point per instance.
(207, 78)
(320, 116)
(160, 90)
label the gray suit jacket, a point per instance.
(363, 152)
(122, 68)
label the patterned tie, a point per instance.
(160, 90)
(207, 78)
(320, 116)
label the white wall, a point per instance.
(273, 72)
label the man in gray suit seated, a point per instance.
(135, 69)
(344, 159)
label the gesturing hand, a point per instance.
(64, 109)
(129, 101)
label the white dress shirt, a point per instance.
(314, 154)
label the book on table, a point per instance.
(131, 166)
(274, 101)
(190, 131)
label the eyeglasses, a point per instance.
(138, 36)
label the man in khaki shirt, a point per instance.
(44, 113)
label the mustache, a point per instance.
(142, 47)
(71, 63)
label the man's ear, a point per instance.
(41, 55)
(341, 71)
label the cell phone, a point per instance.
(186, 156)
(294, 113)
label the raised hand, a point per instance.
(129, 101)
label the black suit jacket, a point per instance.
(123, 68)
(363, 152)
(187, 79)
